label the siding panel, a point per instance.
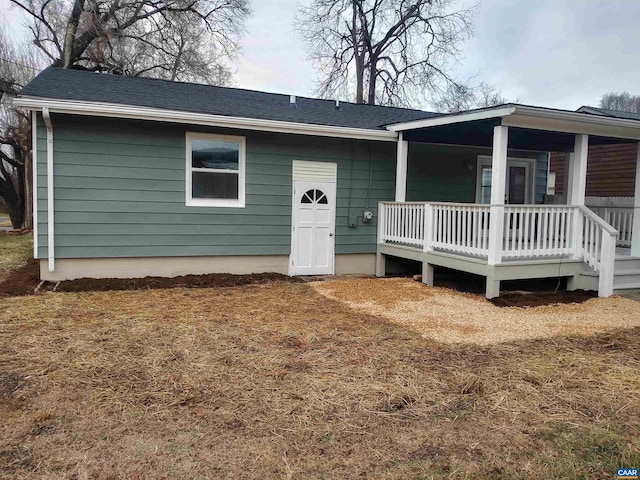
(441, 173)
(119, 191)
(611, 170)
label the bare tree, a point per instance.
(18, 65)
(386, 52)
(192, 40)
(458, 98)
(621, 101)
(174, 39)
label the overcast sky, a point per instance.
(555, 53)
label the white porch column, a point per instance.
(401, 169)
(635, 231)
(577, 187)
(498, 190)
(577, 184)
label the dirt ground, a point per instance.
(450, 316)
(25, 280)
(15, 251)
(279, 381)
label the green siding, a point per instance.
(443, 173)
(120, 191)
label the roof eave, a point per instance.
(537, 119)
(100, 109)
(452, 118)
(573, 122)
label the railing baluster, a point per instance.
(591, 244)
(440, 226)
(562, 233)
(470, 229)
(538, 230)
(526, 250)
(509, 227)
(449, 226)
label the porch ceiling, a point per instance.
(479, 133)
(530, 128)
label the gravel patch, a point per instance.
(454, 317)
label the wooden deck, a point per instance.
(500, 242)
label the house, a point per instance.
(137, 177)
(611, 173)
(611, 169)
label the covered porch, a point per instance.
(508, 233)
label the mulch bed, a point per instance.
(24, 281)
(537, 299)
(515, 293)
(21, 281)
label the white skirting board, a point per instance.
(72, 268)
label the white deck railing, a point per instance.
(460, 228)
(534, 232)
(537, 231)
(403, 223)
(620, 218)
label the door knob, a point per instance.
(331, 234)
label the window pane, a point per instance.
(215, 185)
(214, 154)
(485, 185)
(517, 184)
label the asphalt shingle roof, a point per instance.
(610, 113)
(56, 83)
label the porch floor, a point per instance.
(522, 268)
(621, 253)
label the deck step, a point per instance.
(626, 288)
(620, 273)
(622, 265)
(626, 276)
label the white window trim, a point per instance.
(529, 163)
(216, 202)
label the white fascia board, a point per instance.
(157, 114)
(451, 119)
(537, 119)
(573, 122)
(587, 109)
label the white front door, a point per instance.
(519, 182)
(313, 227)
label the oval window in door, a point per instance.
(314, 196)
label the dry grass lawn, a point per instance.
(450, 316)
(15, 251)
(278, 381)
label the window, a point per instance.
(485, 185)
(314, 196)
(215, 170)
(519, 181)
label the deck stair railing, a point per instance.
(534, 232)
(620, 218)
